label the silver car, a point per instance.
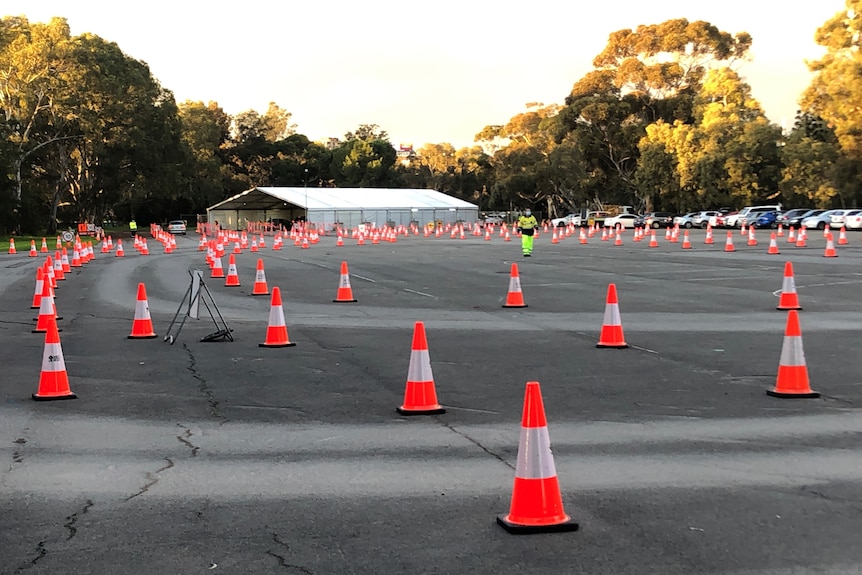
(819, 221)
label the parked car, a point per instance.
(685, 221)
(767, 220)
(492, 218)
(621, 221)
(177, 227)
(838, 218)
(654, 220)
(797, 220)
(791, 217)
(573, 219)
(819, 221)
(701, 219)
(720, 221)
(739, 219)
(853, 220)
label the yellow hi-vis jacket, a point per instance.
(527, 222)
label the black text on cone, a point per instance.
(420, 396)
(53, 381)
(537, 505)
(276, 331)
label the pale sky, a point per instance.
(426, 72)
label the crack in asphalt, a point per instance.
(72, 519)
(203, 387)
(41, 552)
(184, 439)
(282, 562)
(152, 479)
(476, 442)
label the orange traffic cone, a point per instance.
(842, 236)
(708, 239)
(515, 298)
(612, 327)
(345, 292)
(653, 242)
(537, 505)
(791, 236)
(260, 287)
(728, 245)
(142, 326)
(232, 279)
(830, 247)
(47, 309)
(53, 381)
(33, 252)
(788, 299)
(44, 248)
(276, 331)
(618, 241)
(802, 238)
(686, 242)
(773, 245)
(12, 249)
(420, 396)
(37, 295)
(217, 271)
(752, 240)
(792, 380)
(119, 253)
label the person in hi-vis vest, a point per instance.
(527, 224)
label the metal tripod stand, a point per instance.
(196, 293)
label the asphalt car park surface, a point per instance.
(228, 457)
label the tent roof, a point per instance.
(267, 198)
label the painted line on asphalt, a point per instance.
(420, 293)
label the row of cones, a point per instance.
(536, 504)
(612, 335)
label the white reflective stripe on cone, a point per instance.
(52, 358)
(535, 460)
(259, 277)
(46, 305)
(612, 314)
(276, 316)
(788, 285)
(344, 281)
(419, 370)
(142, 310)
(792, 353)
(514, 284)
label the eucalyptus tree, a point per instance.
(649, 74)
(835, 95)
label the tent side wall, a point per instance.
(328, 219)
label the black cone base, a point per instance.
(54, 397)
(291, 344)
(810, 395)
(141, 336)
(436, 411)
(518, 529)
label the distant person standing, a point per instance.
(527, 224)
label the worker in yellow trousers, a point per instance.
(527, 224)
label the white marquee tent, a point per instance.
(347, 207)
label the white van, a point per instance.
(738, 219)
